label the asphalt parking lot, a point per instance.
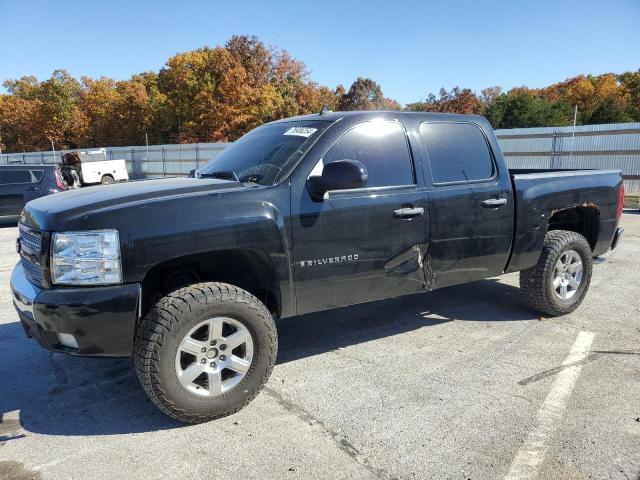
(462, 383)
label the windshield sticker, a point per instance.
(300, 131)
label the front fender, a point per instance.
(207, 224)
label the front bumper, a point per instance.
(101, 319)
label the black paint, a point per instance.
(456, 232)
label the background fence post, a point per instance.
(133, 164)
(164, 168)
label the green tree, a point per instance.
(60, 95)
(524, 109)
(25, 87)
(364, 94)
(611, 110)
(630, 87)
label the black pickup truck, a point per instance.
(187, 275)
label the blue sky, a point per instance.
(411, 48)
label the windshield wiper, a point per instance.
(223, 175)
(252, 178)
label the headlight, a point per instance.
(86, 258)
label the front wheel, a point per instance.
(559, 282)
(205, 351)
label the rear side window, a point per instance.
(458, 152)
(10, 176)
(382, 148)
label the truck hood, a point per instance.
(50, 212)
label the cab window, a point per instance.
(12, 176)
(458, 152)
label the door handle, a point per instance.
(31, 189)
(408, 212)
(494, 202)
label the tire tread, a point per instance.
(533, 289)
(165, 315)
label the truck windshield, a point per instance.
(264, 153)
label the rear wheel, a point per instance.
(107, 180)
(205, 351)
(559, 282)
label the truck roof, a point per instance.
(369, 114)
(25, 166)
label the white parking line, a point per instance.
(530, 456)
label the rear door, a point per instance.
(471, 204)
(366, 243)
(17, 187)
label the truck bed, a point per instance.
(541, 193)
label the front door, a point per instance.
(363, 244)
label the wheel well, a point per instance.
(248, 269)
(584, 220)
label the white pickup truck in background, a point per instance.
(92, 167)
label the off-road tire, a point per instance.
(536, 283)
(162, 329)
(107, 180)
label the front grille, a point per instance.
(33, 271)
(30, 253)
(30, 238)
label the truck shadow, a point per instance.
(62, 395)
(317, 333)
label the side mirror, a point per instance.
(338, 175)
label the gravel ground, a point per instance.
(446, 385)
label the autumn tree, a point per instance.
(210, 95)
(255, 57)
(218, 94)
(159, 126)
(34, 114)
(458, 100)
(22, 124)
(600, 98)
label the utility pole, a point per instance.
(573, 133)
(53, 148)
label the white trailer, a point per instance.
(93, 167)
